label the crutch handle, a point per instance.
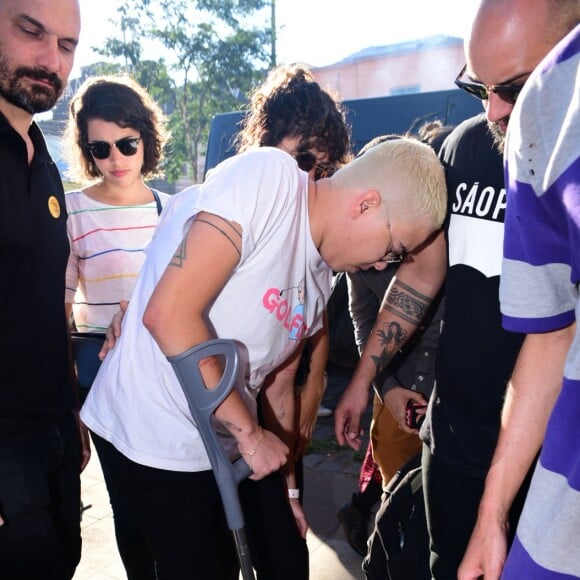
(202, 403)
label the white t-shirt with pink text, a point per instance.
(275, 296)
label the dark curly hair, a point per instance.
(291, 104)
(117, 99)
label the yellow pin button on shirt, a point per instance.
(54, 207)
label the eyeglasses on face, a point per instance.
(307, 161)
(393, 257)
(507, 93)
(101, 149)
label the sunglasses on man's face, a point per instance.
(507, 93)
(101, 149)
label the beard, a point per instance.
(32, 99)
(498, 136)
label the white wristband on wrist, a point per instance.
(293, 493)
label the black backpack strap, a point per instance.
(157, 200)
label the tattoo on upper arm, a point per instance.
(223, 232)
(406, 302)
(392, 337)
(179, 256)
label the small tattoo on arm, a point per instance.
(282, 412)
(179, 256)
(231, 426)
(406, 303)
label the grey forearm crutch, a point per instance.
(202, 404)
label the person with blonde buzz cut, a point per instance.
(227, 261)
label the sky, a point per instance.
(318, 32)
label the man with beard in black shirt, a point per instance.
(40, 447)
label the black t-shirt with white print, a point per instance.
(476, 356)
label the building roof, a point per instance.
(419, 45)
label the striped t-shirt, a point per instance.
(539, 292)
(107, 251)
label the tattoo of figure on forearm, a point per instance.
(407, 303)
(391, 337)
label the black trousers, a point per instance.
(278, 551)
(451, 503)
(40, 503)
(171, 525)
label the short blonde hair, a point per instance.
(407, 174)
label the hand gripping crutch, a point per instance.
(202, 404)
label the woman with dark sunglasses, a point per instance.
(114, 140)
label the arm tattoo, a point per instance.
(282, 411)
(179, 256)
(222, 232)
(231, 427)
(392, 337)
(406, 303)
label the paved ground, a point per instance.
(330, 478)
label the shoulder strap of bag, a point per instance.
(157, 200)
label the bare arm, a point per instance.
(313, 391)
(405, 304)
(530, 398)
(278, 405)
(68, 310)
(175, 318)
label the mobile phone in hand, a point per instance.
(412, 419)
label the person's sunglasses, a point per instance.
(307, 160)
(508, 92)
(101, 149)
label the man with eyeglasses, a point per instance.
(475, 357)
(40, 447)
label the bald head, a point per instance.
(509, 38)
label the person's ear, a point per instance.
(367, 200)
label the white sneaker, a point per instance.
(324, 411)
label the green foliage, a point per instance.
(328, 446)
(212, 56)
